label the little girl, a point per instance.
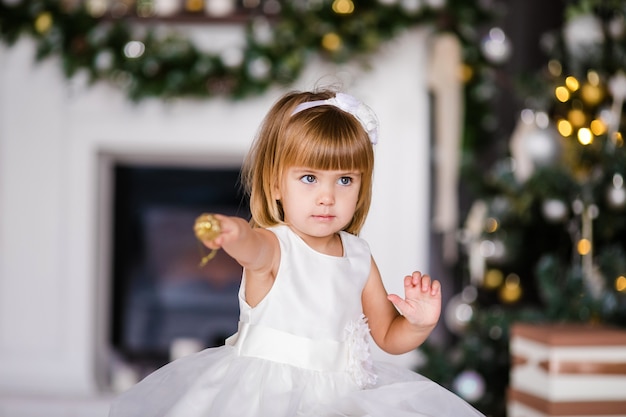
(311, 293)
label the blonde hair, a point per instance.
(322, 137)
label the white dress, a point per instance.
(302, 351)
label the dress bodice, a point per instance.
(314, 295)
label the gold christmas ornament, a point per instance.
(331, 42)
(43, 23)
(207, 227)
(577, 117)
(511, 291)
(493, 279)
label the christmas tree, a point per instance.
(544, 239)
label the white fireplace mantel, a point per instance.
(55, 140)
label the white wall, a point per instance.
(53, 222)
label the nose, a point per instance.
(326, 195)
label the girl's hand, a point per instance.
(230, 231)
(422, 303)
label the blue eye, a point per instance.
(308, 179)
(345, 181)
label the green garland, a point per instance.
(277, 47)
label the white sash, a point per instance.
(283, 347)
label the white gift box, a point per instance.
(567, 370)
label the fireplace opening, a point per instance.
(160, 294)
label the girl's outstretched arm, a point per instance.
(255, 249)
(404, 327)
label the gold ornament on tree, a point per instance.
(43, 23)
(592, 94)
(592, 91)
(511, 290)
(207, 227)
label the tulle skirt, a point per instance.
(217, 382)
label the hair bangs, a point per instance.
(332, 140)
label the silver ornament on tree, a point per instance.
(496, 46)
(459, 310)
(470, 385)
(616, 193)
(534, 143)
(583, 35)
(554, 210)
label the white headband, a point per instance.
(352, 105)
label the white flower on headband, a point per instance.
(352, 105)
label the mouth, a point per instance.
(323, 217)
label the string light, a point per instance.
(572, 83)
(585, 137)
(598, 127)
(565, 128)
(562, 94)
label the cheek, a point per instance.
(351, 201)
(355, 195)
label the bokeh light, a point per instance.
(585, 137)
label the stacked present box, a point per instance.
(567, 370)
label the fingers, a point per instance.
(435, 288)
(422, 281)
(398, 301)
